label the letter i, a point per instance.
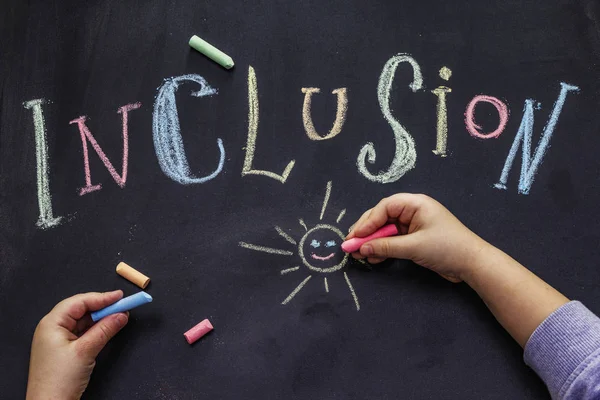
(46, 218)
(442, 114)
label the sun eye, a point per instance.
(315, 243)
(331, 243)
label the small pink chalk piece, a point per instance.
(198, 331)
(352, 245)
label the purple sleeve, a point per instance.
(565, 352)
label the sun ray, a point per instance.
(295, 291)
(288, 270)
(339, 218)
(326, 285)
(285, 235)
(265, 249)
(326, 200)
(303, 224)
(352, 291)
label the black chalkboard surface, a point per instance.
(490, 107)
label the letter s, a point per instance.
(405, 155)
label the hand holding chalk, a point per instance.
(430, 236)
(66, 343)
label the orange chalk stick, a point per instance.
(133, 275)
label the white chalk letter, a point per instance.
(405, 156)
(46, 218)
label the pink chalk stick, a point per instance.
(352, 245)
(198, 331)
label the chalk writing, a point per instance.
(340, 216)
(340, 115)
(333, 264)
(445, 73)
(319, 251)
(442, 114)
(247, 169)
(473, 128)
(405, 155)
(296, 290)
(326, 200)
(86, 136)
(354, 296)
(265, 249)
(285, 235)
(524, 134)
(303, 224)
(166, 131)
(46, 218)
(171, 156)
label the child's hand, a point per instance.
(429, 235)
(65, 345)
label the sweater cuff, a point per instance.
(561, 343)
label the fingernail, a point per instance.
(367, 250)
(121, 320)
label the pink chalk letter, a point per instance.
(86, 136)
(198, 331)
(352, 245)
(474, 129)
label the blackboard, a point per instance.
(408, 333)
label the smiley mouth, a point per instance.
(316, 257)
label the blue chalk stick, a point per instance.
(125, 304)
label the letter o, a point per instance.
(473, 128)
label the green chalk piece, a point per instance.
(211, 52)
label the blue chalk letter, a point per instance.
(166, 131)
(530, 167)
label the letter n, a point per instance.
(530, 166)
(86, 136)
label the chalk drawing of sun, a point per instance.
(319, 251)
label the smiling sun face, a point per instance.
(319, 250)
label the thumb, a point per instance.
(94, 340)
(390, 247)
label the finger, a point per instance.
(363, 217)
(83, 325)
(400, 207)
(94, 340)
(69, 311)
(372, 221)
(450, 278)
(390, 247)
(375, 260)
(357, 256)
